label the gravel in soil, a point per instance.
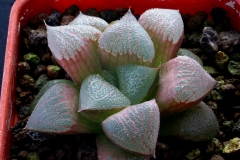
(218, 46)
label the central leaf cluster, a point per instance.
(125, 74)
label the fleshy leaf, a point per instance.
(96, 22)
(165, 27)
(43, 90)
(135, 81)
(111, 77)
(108, 150)
(99, 99)
(75, 49)
(125, 42)
(135, 128)
(196, 124)
(56, 112)
(186, 52)
(182, 83)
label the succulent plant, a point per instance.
(124, 77)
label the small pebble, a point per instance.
(92, 12)
(38, 136)
(232, 146)
(53, 71)
(19, 89)
(228, 40)
(162, 146)
(41, 69)
(194, 154)
(209, 40)
(24, 112)
(46, 57)
(22, 154)
(216, 95)
(26, 31)
(32, 156)
(234, 68)
(20, 135)
(37, 38)
(221, 60)
(27, 81)
(24, 67)
(214, 146)
(18, 127)
(194, 39)
(212, 105)
(227, 87)
(66, 20)
(217, 157)
(18, 102)
(236, 127)
(228, 125)
(55, 18)
(32, 58)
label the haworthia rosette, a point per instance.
(135, 81)
(182, 83)
(199, 123)
(125, 42)
(96, 22)
(135, 128)
(56, 112)
(108, 150)
(75, 49)
(99, 99)
(165, 27)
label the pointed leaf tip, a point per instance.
(135, 128)
(165, 27)
(125, 42)
(99, 99)
(73, 44)
(182, 83)
(96, 22)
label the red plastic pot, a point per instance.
(24, 9)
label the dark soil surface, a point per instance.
(218, 48)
